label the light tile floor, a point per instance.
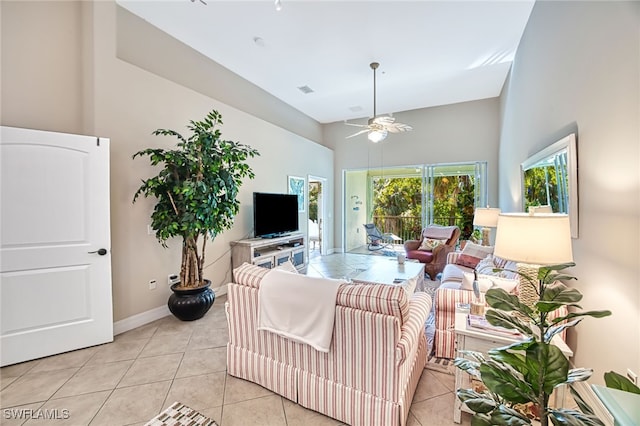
(145, 370)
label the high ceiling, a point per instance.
(430, 52)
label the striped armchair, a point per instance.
(368, 377)
(447, 296)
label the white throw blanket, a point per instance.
(298, 307)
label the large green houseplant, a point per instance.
(526, 372)
(196, 190)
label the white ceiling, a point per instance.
(430, 52)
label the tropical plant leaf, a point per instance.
(560, 293)
(571, 315)
(614, 380)
(481, 420)
(556, 329)
(582, 404)
(573, 418)
(503, 415)
(506, 382)
(547, 361)
(473, 355)
(498, 298)
(515, 360)
(504, 320)
(579, 375)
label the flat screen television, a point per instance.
(274, 215)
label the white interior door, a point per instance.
(55, 281)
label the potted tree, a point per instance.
(196, 191)
(518, 379)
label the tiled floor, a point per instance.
(144, 370)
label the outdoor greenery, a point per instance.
(314, 188)
(541, 187)
(525, 373)
(196, 190)
(397, 204)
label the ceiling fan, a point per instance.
(378, 127)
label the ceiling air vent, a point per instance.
(305, 89)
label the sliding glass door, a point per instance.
(402, 200)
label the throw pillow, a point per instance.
(485, 282)
(428, 244)
(472, 254)
(486, 266)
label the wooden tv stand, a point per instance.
(270, 252)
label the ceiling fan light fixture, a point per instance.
(376, 136)
(377, 128)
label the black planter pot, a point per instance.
(190, 304)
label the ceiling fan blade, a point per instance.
(398, 127)
(384, 120)
(356, 125)
(358, 133)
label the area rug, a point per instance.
(442, 365)
(180, 415)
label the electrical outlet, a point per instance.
(149, 230)
(152, 284)
(632, 376)
(173, 279)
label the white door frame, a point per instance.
(322, 211)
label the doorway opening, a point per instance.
(316, 208)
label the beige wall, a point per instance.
(455, 133)
(578, 70)
(91, 90)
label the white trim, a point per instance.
(151, 315)
(221, 291)
(140, 319)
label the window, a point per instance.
(402, 200)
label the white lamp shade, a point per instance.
(540, 209)
(541, 239)
(486, 217)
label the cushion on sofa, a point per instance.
(428, 244)
(485, 282)
(454, 272)
(379, 298)
(488, 264)
(472, 254)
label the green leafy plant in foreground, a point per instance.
(196, 190)
(527, 371)
(614, 380)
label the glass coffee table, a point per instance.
(409, 275)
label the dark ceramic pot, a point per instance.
(190, 304)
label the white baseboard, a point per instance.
(220, 291)
(143, 318)
(140, 319)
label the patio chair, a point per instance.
(376, 239)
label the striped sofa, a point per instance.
(368, 377)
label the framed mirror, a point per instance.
(550, 179)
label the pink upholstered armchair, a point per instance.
(433, 246)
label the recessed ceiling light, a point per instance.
(259, 41)
(356, 108)
(305, 89)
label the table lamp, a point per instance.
(533, 240)
(487, 218)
